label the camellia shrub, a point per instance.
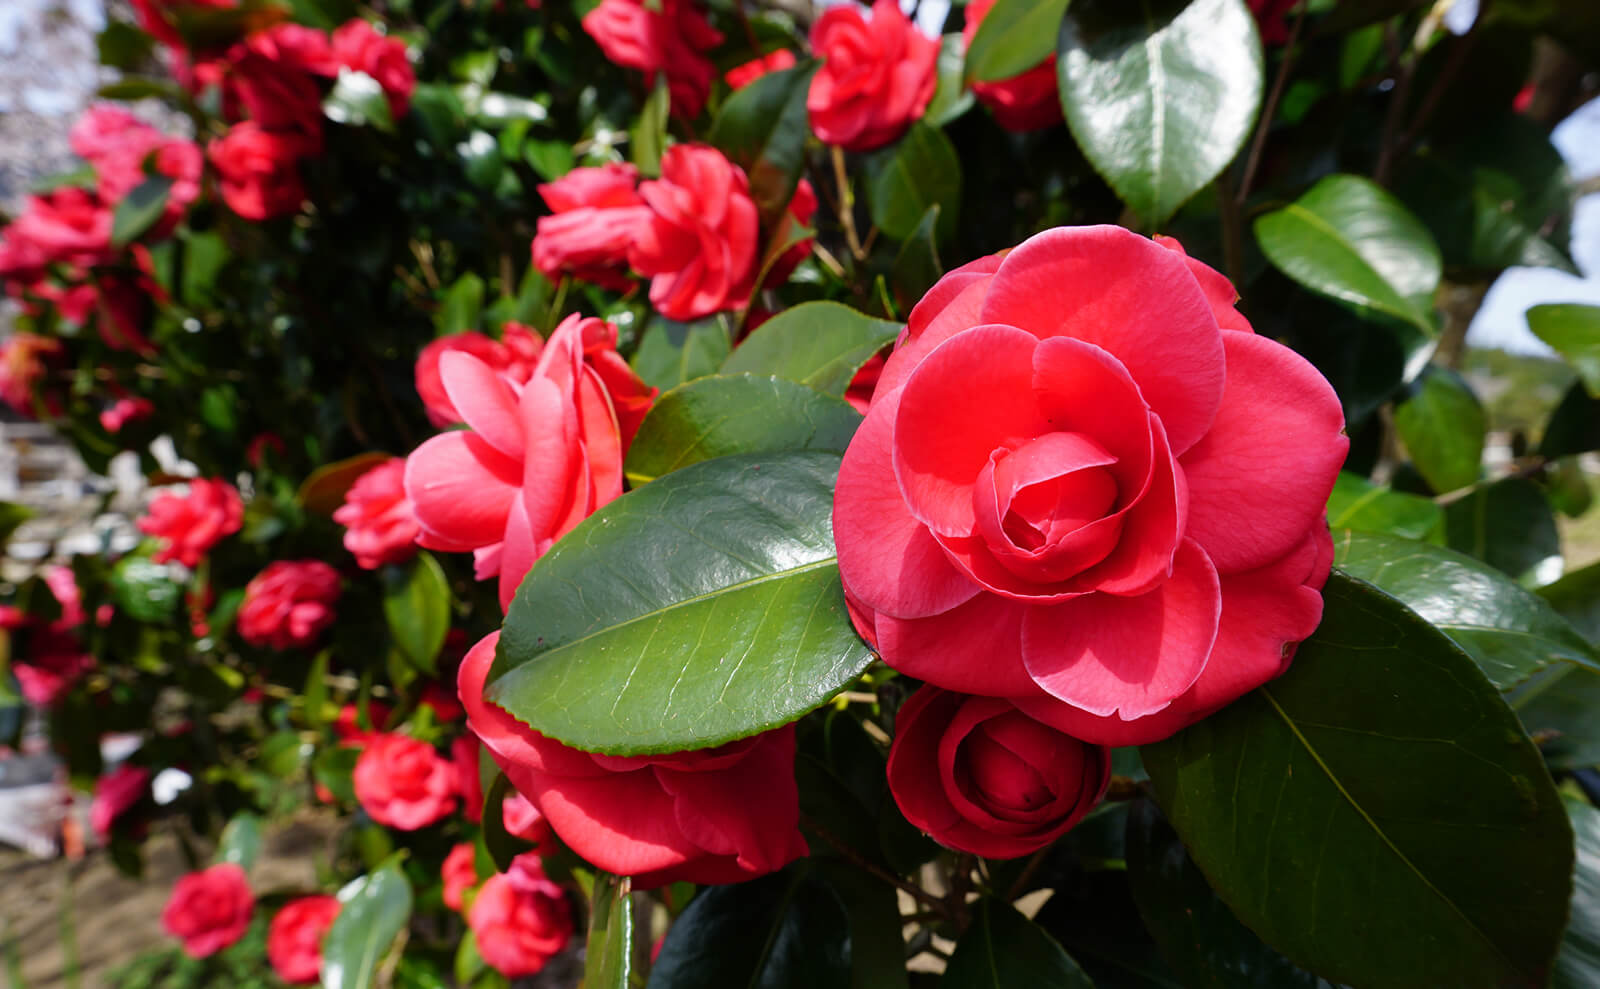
(774, 496)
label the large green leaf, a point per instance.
(737, 413)
(763, 128)
(1560, 708)
(375, 909)
(821, 344)
(1198, 934)
(917, 266)
(1357, 503)
(139, 209)
(1442, 425)
(1508, 525)
(608, 961)
(918, 171)
(1512, 633)
(784, 931)
(462, 306)
(1578, 963)
(1574, 331)
(145, 589)
(1574, 426)
(1015, 36)
(1377, 814)
(240, 842)
(1350, 240)
(877, 948)
(671, 353)
(951, 96)
(1160, 95)
(1002, 949)
(1576, 596)
(700, 608)
(416, 605)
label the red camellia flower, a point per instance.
(430, 387)
(403, 783)
(288, 604)
(878, 75)
(595, 215)
(1270, 18)
(459, 874)
(117, 144)
(1084, 484)
(666, 37)
(68, 225)
(379, 525)
(521, 918)
(698, 245)
(358, 46)
(115, 794)
(294, 940)
(158, 18)
(209, 909)
(123, 411)
(523, 819)
(469, 784)
(719, 815)
(540, 458)
(746, 73)
(1022, 103)
(260, 169)
(982, 777)
(347, 724)
(49, 657)
(190, 524)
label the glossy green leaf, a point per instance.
(1442, 425)
(123, 46)
(145, 589)
(240, 843)
(1574, 426)
(918, 171)
(1576, 597)
(1510, 632)
(1376, 814)
(784, 931)
(1578, 963)
(315, 693)
(671, 353)
(461, 307)
(334, 767)
(141, 88)
(502, 845)
(736, 413)
(1558, 707)
(1160, 96)
(1508, 525)
(877, 948)
(140, 209)
(1015, 36)
(1002, 949)
(951, 95)
(763, 129)
(649, 132)
(609, 950)
(700, 608)
(358, 100)
(1357, 503)
(1350, 240)
(1574, 331)
(820, 344)
(1198, 934)
(1095, 920)
(416, 605)
(917, 265)
(375, 908)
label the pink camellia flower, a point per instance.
(1084, 484)
(1022, 103)
(718, 815)
(124, 411)
(668, 37)
(358, 46)
(209, 909)
(379, 525)
(595, 215)
(49, 657)
(877, 76)
(117, 144)
(68, 225)
(523, 819)
(459, 874)
(982, 777)
(294, 939)
(260, 169)
(698, 246)
(403, 782)
(115, 794)
(520, 918)
(288, 604)
(746, 73)
(431, 387)
(24, 362)
(190, 524)
(104, 130)
(469, 784)
(540, 457)
(264, 84)
(347, 724)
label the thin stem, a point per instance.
(1270, 108)
(851, 855)
(1021, 885)
(1389, 143)
(847, 204)
(1228, 212)
(1447, 75)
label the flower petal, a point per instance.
(483, 399)
(461, 490)
(975, 647)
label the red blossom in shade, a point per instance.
(190, 524)
(469, 784)
(595, 215)
(294, 939)
(877, 76)
(717, 815)
(115, 794)
(209, 909)
(699, 244)
(49, 657)
(124, 411)
(668, 37)
(380, 527)
(1271, 17)
(67, 226)
(746, 73)
(1024, 102)
(288, 604)
(523, 819)
(520, 918)
(459, 874)
(358, 46)
(119, 145)
(404, 783)
(260, 169)
(347, 724)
